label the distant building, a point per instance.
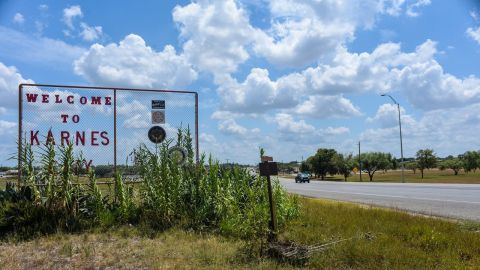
(11, 172)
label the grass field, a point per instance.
(430, 176)
(398, 241)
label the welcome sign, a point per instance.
(66, 137)
(105, 124)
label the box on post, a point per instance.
(268, 168)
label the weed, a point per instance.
(199, 196)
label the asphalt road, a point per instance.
(460, 201)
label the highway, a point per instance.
(459, 201)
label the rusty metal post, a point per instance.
(273, 219)
(196, 128)
(115, 131)
(20, 119)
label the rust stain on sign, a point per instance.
(266, 158)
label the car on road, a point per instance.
(302, 178)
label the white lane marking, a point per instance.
(387, 196)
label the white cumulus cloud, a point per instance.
(416, 74)
(332, 131)
(474, 33)
(474, 15)
(318, 92)
(90, 33)
(18, 18)
(258, 93)
(327, 107)
(387, 116)
(447, 131)
(231, 127)
(70, 13)
(302, 133)
(6, 126)
(412, 9)
(132, 63)
(303, 32)
(215, 34)
(10, 78)
(287, 124)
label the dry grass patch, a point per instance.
(126, 248)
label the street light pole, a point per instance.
(401, 141)
(360, 162)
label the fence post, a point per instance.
(114, 131)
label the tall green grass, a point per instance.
(199, 196)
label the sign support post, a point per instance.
(267, 169)
(273, 219)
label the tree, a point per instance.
(305, 167)
(471, 161)
(426, 159)
(394, 163)
(323, 162)
(104, 170)
(412, 165)
(344, 164)
(4, 168)
(373, 161)
(455, 164)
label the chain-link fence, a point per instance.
(105, 125)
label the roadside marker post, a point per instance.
(267, 168)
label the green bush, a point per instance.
(199, 196)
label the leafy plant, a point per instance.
(199, 196)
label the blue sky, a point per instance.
(289, 76)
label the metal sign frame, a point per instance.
(114, 90)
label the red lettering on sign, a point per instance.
(34, 137)
(80, 136)
(70, 99)
(93, 139)
(104, 136)
(45, 98)
(32, 97)
(83, 100)
(108, 100)
(64, 136)
(87, 164)
(75, 118)
(96, 100)
(58, 99)
(50, 137)
(64, 118)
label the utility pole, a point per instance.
(359, 162)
